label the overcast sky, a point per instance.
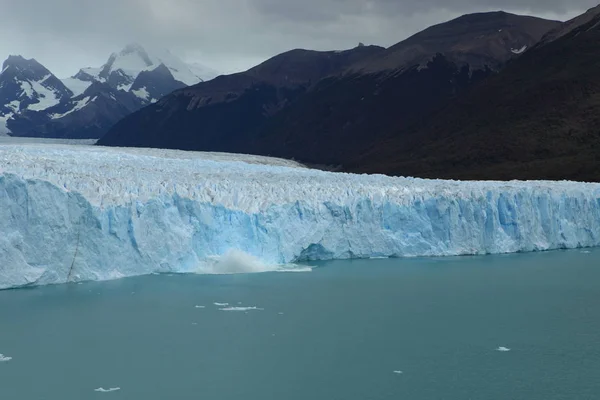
(228, 35)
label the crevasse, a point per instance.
(74, 213)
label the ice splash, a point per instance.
(235, 261)
(102, 390)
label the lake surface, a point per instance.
(338, 332)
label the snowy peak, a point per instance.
(152, 85)
(157, 73)
(26, 85)
(124, 67)
(22, 68)
(20, 63)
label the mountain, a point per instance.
(334, 116)
(217, 115)
(537, 119)
(85, 116)
(33, 102)
(570, 25)
(27, 84)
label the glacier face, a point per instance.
(73, 213)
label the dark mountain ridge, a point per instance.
(538, 119)
(216, 114)
(327, 108)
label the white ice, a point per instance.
(75, 213)
(241, 309)
(102, 390)
(503, 349)
(76, 86)
(78, 105)
(4, 358)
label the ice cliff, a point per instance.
(73, 213)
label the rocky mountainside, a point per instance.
(33, 102)
(327, 108)
(538, 119)
(219, 114)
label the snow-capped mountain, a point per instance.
(34, 102)
(123, 69)
(27, 84)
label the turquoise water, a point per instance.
(338, 332)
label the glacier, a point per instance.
(78, 213)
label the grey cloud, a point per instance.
(228, 34)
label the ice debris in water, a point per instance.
(503, 349)
(398, 372)
(241, 309)
(119, 212)
(4, 358)
(199, 307)
(221, 304)
(102, 390)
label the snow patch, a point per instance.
(14, 105)
(142, 93)
(79, 104)
(519, 51)
(4, 124)
(76, 86)
(46, 97)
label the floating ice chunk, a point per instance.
(293, 268)
(398, 372)
(503, 349)
(102, 390)
(200, 307)
(221, 304)
(280, 313)
(4, 358)
(241, 309)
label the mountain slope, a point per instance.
(479, 40)
(538, 119)
(219, 114)
(82, 117)
(334, 116)
(410, 81)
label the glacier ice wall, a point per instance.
(88, 213)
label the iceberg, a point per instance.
(79, 213)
